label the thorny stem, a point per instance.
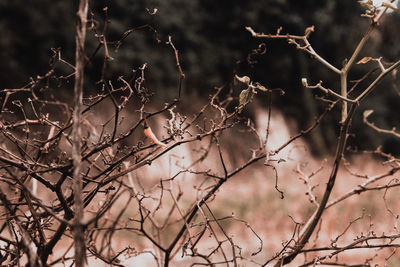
(345, 117)
(346, 68)
(343, 91)
(78, 224)
(307, 46)
(202, 202)
(331, 182)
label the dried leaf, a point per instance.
(364, 60)
(261, 87)
(243, 79)
(367, 4)
(367, 113)
(244, 96)
(149, 133)
(389, 5)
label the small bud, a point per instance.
(367, 113)
(309, 30)
(304, 82)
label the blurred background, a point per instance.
(214, 45)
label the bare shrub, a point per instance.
(124, 180)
